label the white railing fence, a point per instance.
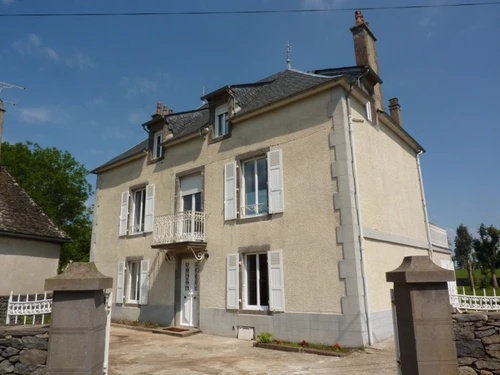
(475, 302)
(22, 309)
(179, 227)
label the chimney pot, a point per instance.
(395, 109)
(164, 110)
(170, 111)
(158, 108)
(359, 17)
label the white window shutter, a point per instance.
(150, 208)
(233, 281)
(275, 181)
(143, 298)
(124, 214)
(276, 283)
(120, 282)
(230, 191)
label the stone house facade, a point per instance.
(277, 206)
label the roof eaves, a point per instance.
(36, 237)
(401, 132)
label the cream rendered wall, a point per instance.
(25, 264)
(305, 231)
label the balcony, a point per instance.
(186, 228)
(439, 237)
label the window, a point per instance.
(157, 147)
(254, 183)
(261, 187)
(368, 108)
(138, 211)
(133, 281)
(257, 282)
(221, 121)
(140, 202)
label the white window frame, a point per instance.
(142, 208)
(136, 281)
(221, 110)
(368, 109)
(157, 147)
(243, 192)
(246, 306)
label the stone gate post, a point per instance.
(78, 322)
(424, 322)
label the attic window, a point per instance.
(221, 126)
(157, 148)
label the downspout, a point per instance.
(360, 221)
(424, 205)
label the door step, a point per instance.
(177, 331)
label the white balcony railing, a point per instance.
(439, 237)
(186, 226)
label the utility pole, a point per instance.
(4, 85)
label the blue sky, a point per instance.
(93, 81)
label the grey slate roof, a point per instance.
(20, 215)
(250, 96)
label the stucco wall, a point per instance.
(25, 264)
(390, 195)
(305, 231)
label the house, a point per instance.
(277, 206)
(30, 243)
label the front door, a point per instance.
(189, 293)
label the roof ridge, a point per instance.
(313, 74)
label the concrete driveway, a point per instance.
(134, 352)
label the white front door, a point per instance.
(189, 293)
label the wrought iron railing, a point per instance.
(179, 227)
(21, 308)
(475, 302)
(439, 237)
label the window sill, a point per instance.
(138, 234)
(253, 219)
(156, 160)
(220, 138)
(247, 311)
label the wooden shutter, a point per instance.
(150, 207)
(275, 181)
(276, 285)
(124, 214)
(233, 281)
(120, 282)
(230, 191)
(143, 298)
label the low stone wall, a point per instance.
(477, 338)
(23, 349)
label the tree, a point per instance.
(487, 249)
(463, 251)
(58, 184)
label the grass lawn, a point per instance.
(462, 274)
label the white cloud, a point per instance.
(42, 115)
(138, 85)
(34, 46)
(97, 151)
(7, 2)
(96, 101)
(138, 117)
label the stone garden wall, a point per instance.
(477, 338)
(4, 301)
(23, 349)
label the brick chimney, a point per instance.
(170, 111)
(158, 108)
(164, 113)
(366, 53)
(395, 109)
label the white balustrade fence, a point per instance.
(179, 227)
(475, 302)
(22, 308)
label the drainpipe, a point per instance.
(360, 221)
(424, 204)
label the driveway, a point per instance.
(134, 352)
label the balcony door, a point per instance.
(190, 204)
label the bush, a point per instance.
(485, 281)
(265, 338)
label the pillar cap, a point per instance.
(419, 269)
(79, 276)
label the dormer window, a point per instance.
(221, 121)
(157, 147)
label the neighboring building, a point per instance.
(297, 192)
(30, 243)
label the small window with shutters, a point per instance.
(137, 211)
(132, 282)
